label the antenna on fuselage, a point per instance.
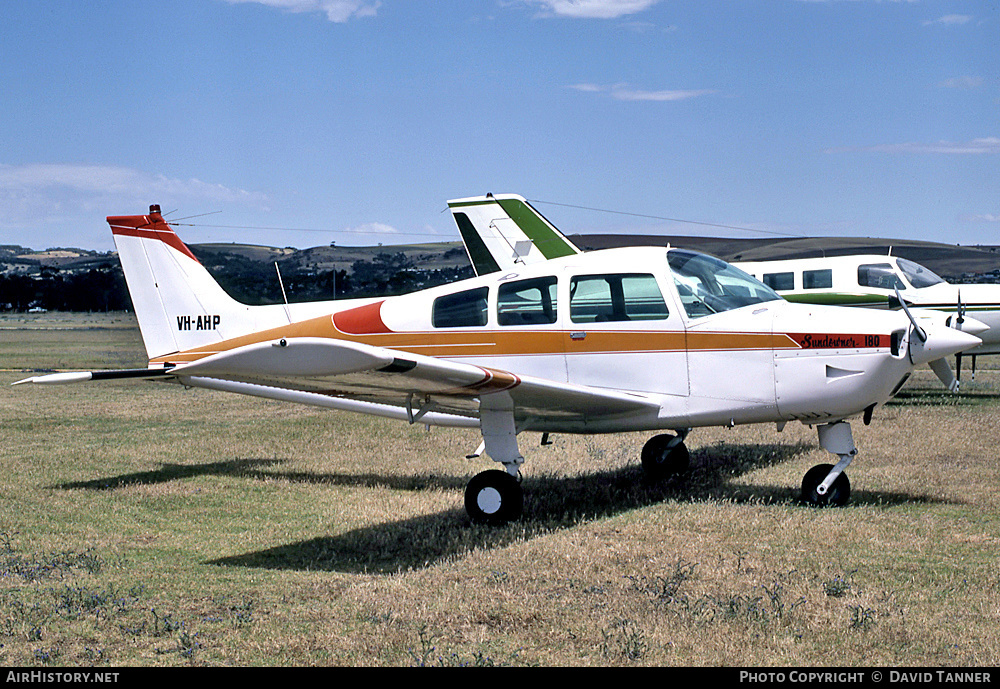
(284, 296)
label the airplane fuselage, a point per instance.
(871, 280)
(617, 320)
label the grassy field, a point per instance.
(142, 524)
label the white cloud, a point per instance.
(593, 9)
(335, 10)
(985, 217)
(111, 179)
(981, 146)
(876, 1)
(964, 82)
(949, 20)
(627, 93)
(34, 193)
(659, 96)
(372, 228)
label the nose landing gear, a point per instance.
(826, 485)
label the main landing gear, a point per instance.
(666, 455)
(495, 497)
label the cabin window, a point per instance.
(621, 297)
(527, 302)
(817, 279)
(460, 310)
(879, 275)
(779, 281)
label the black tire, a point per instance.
(837, 496)
(660, 461)
(494, 497)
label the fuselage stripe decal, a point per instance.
(510, 342)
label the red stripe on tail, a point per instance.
(151, 226)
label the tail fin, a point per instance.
(179, 305)
(502, 232)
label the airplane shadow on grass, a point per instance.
(552, 502)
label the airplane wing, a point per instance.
(323, 368)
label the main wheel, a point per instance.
(660, 461)
(494, 497)
(837, 496)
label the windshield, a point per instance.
(917, 274)
(707, 285)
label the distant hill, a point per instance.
(434, 256)
(944, 259)
(78, 279)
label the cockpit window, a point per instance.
(917, 274)
(879, 275)
(708, 285)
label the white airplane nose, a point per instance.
(939, 343)
(971, 326)
(930, 319)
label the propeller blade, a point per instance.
(920, 332)
(944, 373)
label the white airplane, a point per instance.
(611, 341)
(504, 231)
(880, 281)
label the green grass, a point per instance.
(145, 524)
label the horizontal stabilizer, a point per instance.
(83, 376)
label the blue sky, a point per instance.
(305, 122)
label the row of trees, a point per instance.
(248, 281)
(98, 289)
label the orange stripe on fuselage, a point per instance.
(484, 342)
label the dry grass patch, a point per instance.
(143, 524)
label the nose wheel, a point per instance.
(826, 485)
(836, 495)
